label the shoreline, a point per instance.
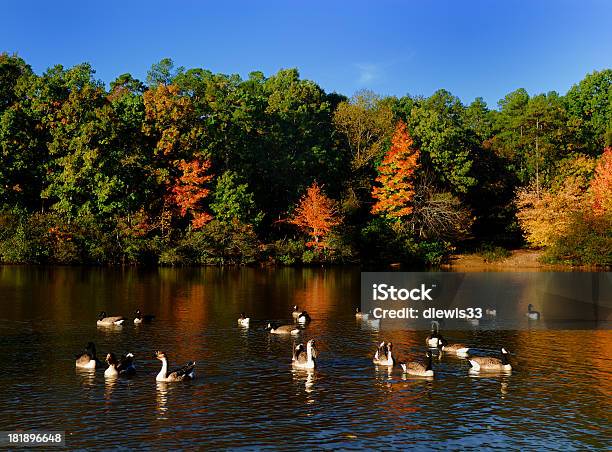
(519, 260)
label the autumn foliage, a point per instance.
(171, 118)
(601, 184)
(316, 215)
(571, 219)
(135, 174)
(396, 177)
(190, 190)
(547, 216)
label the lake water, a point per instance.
(246, 395)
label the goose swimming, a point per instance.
(531, 314)
(361, 315)
(103, 320)
(283, 329)
(187, 372)
(434, 337)
(419, 369)
(488, 363)
(304, 317)
(88, 359)
(296, 312)
(458, 349)
(243, 320)
(384, 355)
(304, 357)
(140, 318)
(123, 367)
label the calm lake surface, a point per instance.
(246, 395)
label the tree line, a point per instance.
(191, 167)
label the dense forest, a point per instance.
(190, 167)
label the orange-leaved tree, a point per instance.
(189, 190)
(396, 173)
(601, 184)
(316, 214)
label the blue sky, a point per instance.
(471, 48)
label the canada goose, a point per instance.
(531, 314)
(434, 337)
(296, 312)
(304, 317)
(187, 372)
(109, 321)
(283, 329)
(384, 355)
(484, 363)
(140, 318)
(459, 349)
(419, 369)
(123, 367)
(360, 315)
(88, 360)
(491, 312)
(243, 320)
(305, 357)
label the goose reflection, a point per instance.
(383, 374)
(405, 376)
(162, 399)
(243, 333)
(473, 322)
(109, 387)
(109, 329)
(503, 389)
(86, 377)
(370, 324)
(308, 377)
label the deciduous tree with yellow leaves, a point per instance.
(601, 185)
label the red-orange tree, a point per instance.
(180, 170)
(189, 190)
(601, 185)
(395, 175)
(316, 215)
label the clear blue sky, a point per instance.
(472, 48)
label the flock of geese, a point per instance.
(304, 356)
(124, 366)
(435, 340)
